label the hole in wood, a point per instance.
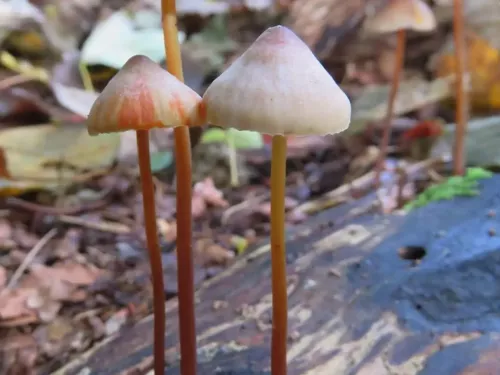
(412, 253)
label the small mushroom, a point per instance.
(278, 87)
(142, 96)
(398, 16)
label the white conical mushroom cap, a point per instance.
(278, 87)
(402, 15)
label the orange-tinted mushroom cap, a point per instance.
(142, 96)
(402, 15)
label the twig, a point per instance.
(39, 208)
(30, 256)
(253, 201)
(402, 181)
(103, 226)
(362, 182)
(14, 80)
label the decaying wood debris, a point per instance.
(362, 300)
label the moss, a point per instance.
(456, 186)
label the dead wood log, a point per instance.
(414, 294)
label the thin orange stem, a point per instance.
(148, 201)
(462, 103)
(386, 135)
(278, 257)
(185, 273)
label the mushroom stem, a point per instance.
(233, 159)
(461, 114)
(386, 135)
(278, 257)
(148, 201)
(187, 329)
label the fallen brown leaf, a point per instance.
(68, 246)
(54, 337)
(3, 277)
(211, 195)
(13, 307)
(167, 230)
(19, 353)
(73, 273)
(4, 173)
(23, 238)
(211, 254)
(5, 230)
(6, 242)
(198, 206)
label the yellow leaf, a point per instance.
(50, 156)
(27, 42)
(23, 67)
(484, 67)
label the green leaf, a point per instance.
(213, 135)
(121, 36)
(242, 139)
(456, 186)
(240, 243)
(161, 160)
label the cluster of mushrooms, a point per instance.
(276, 87)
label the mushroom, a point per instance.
(278, 87)
(139, 97)
(398, 16)
(185, 274)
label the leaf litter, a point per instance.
(73, 266)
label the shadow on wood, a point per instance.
(369, 294)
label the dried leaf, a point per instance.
(211, 46)
(484, 67)
(121, 36)
(13, 308)
(72, 273)
(3, 277)
(14, 14)
(201, 7)
(198, 206)
(74, 99)
(167, 230)
(20, 352)
(50, 156)
(209, 193)
(5, 230)
(481, 143)
(413, 94)
(212, 254)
